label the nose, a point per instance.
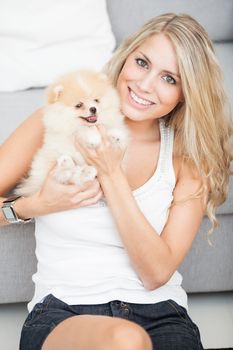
(147, 83)
(92, 110)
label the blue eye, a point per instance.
(169, 79)
(141, 62)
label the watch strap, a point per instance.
(9, 212)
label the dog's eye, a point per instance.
(79, 105)
(96, 100)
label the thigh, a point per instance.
(44, 317)
(168, 325)
(54, 325)
(88, 332)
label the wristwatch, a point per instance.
(9, 212)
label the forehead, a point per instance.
(159, 49)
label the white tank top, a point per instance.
(81, 257)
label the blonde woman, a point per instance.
(107, 270)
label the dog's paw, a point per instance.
(65, 161)
(62, 176)
(64, 169)
(83, 174)
(88, 173)
(117, 138)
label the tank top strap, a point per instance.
(166, 170)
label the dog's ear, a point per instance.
(54, 92)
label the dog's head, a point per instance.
(88, 93)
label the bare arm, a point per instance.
(16, 155)
(155, 257)
(17, 151)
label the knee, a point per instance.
(129, 336)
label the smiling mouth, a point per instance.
(139, 100)
(90, 119)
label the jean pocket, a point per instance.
(180, 310)
(34, 316)
(183, 314)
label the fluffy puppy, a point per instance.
(75, 105)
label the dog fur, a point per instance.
(76, 103)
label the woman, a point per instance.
(107, 273)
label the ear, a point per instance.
(54, 93)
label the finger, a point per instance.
(52, 167)
(87, 153)
(90, 184)
(84, 149)
(83, 195)
(92, 200)
(80, 147)
(103, 133)
(74, 190)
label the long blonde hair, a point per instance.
(202, 122)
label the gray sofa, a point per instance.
(206, 268)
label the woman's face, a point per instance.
(149, 83)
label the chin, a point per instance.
(137, 115)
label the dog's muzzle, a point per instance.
(93, 117)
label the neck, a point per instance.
(145, 130)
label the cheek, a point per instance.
(122, 81)
(169, 95)
(128, 73)
(121, 86)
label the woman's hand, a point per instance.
(54, 197)
(106, 158)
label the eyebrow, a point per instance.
(165, 71)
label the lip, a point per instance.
(136, 104)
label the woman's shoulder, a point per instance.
(185, 168)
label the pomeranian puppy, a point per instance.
(75, 105)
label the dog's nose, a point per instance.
(92, 110)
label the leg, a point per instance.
(168, 325)
(88, 332)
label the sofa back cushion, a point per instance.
(43, 39)
(215, 15)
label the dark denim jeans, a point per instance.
(167, 323)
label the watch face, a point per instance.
(8, 213)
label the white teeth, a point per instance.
(139, 99)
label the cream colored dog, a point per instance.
(76, 104)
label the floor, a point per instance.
(213, 313)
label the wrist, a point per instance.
(113, 177)
(115, 185)
(10, 212)
(24, 208)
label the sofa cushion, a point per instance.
(17, 262)
(41, 40)
(209, 267)
(215, 16)
(17, 106)
(224, 52)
